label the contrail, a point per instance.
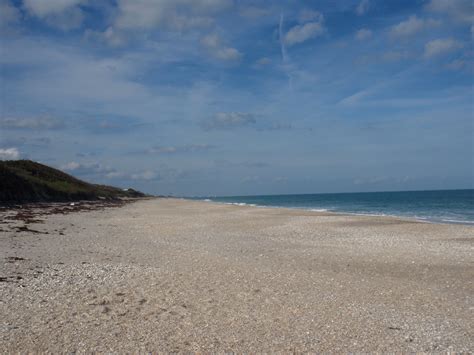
(282, 43)
(284, 54)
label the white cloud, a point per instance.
(412, 26)
(9, 14)
(214, 44)
(459, 10)
(363, 34)
(9, 154)
(363, 7)
(173, 14)
(302, 33)
(63, 14)
(441, 46)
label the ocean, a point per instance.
(446, 206)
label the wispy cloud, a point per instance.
(311, 26)
(190, 148)
(441, 46)
(31, 123)
(412, 25)
(377, 180)
(229, 120)
(459, 10)
(9, 15)
(262, 62)
(170, 14)
(96, 170)
(363, 7)
(110, 36)
(302, 33)
(363, 34)
(86, 168)
(460, 64)
(65, 15)
(251, 179)
(110, 125)
(254, 12)
(145, 175)
(220, 51)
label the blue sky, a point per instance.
(228, 97)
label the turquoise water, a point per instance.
(448, 206)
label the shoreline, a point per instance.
(342, 213)
(98, 204)
(177, 275)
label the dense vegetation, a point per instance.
(28, 181)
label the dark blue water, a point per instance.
(448, 206)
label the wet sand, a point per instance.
(176, 275)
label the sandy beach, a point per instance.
(177, 275)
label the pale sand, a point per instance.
(175, 275)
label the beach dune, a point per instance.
(180, 275)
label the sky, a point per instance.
(238, 97)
